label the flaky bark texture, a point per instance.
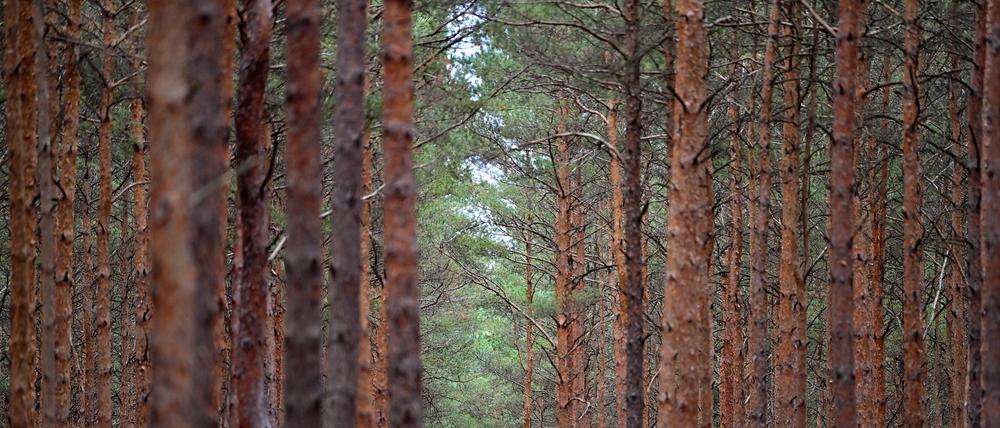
(173, 274)
(565, 314)
(973, 237)
(634, 345)
(841, 303)
(67, 182)
(618, 257)
(209, 157)
(349, 117)
(21, 111)
(914, 413)
(400, 218)
(252, 306)
(790, 360)
(366, 415)
(689, 229)
(303, 259)
(103, 315)
(990, 220)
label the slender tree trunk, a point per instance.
(303, 405)
(529, 334)
(251, 359)
(67, 182)
(879, 219)
(841, 306)
(861, 217)
(578, 336)
(913, 323)
(400, 218)
(173, 395)
(686, 296)
(349, 115)
(55, 368)
(790, 364)
(103, 344)
(731, 361)
(366, 416)
(957, 330)
(633, 222)
(563, 293)
(225, 333)
(990, 223)
(973, 254)
(618, 256)
(759, 232)
(602, 345)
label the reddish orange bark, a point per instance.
(366, 415)
(563, 293)
(957, 331)
(841, 307)
(686, 305)
(973, 254)
(529, 334)
(400, 217)
(103, 322)
(790, 359)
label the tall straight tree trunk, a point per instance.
(790, 364)
(173, 396)
(973, 237)
(841, 303)
(55, 368)
(634, 354)
(21, 111)
(400, 218)
(366, 416)
(225, 333)
(990, 222)
(349, 117)
(529, 334)
(863, 303)
(957, 330)
(914, 412)
(67, 182)
(578, 336)
(252, 307)
(563, 279)
(879, 214)
(303, 403)
(208, 140)
(731, 360)
(759, 231)
(103, 323)
(618, 256)
(602, 345)
(689, 231)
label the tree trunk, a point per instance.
(879, 219)
(349, 115)
(66, 204)
(55, 322)
(633, 222)
(366, 416)
(250, 361)
(957, 330)
(563, 280)
(790, 360)
(973, 253)
(759, 232)
(731, 361)
(208, 139)
(103, 326)
(990, 223)
(529, 334)
(618, 256)
(686, 293)
(400, 218)
(914, 412)
(174, 402)
(841, 306)
(304, 402)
